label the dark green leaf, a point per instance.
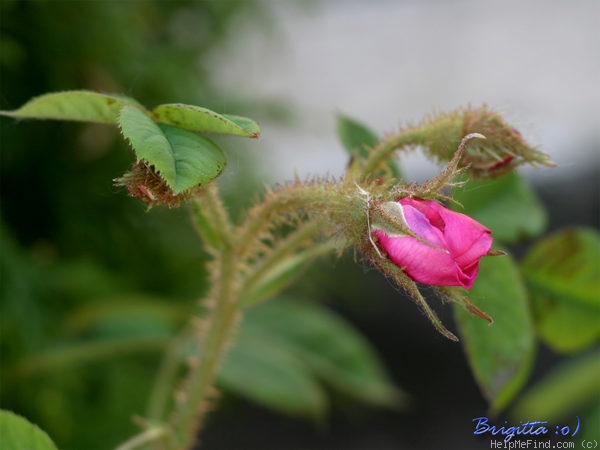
(272, 278)
(590, 423)
(568, 389)
(125, 315)
(357, 138)
(184, 159)
(332, 349)
(18, 433)
(78, 353)
(196, 118)
(563, 275)
(83, 106)
(506, 205)
(501, 354)
(262, 370)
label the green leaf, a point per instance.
(263, 371)
(592, 419)
(566, 390)
(357, 138)
(196, 118)
(506, 205)
(563, 275)
(18, 433)
(274, 276)
(85, 106)
(184, 159)
(329, 346)
(79, 353)
(501, 354)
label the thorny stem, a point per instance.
(287, 202)
(214, 334)
(230, 248)
(381, 154)
(292, 244)
(211, 220)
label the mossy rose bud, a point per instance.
(503, 150)
(445, 246)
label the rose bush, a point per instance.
(450, 247)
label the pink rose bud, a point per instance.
(450, 247)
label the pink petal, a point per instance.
(421, 225)
(467, 239)
(420, 261)
(429, 208)
(457, 244)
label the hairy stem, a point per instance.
(248, 259)
(286, 248)
(325, 199)
(214, 333)
(211, 220)
(381, 154)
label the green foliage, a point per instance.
(562, 272)
(96, 348)
(18, 433)
(84, 106)
(79, 349)
(357, 139)
(506, 205)
(289, 349)
(196, 118)
(590, 429)
(570, 388)
(71, 243)
(182, 158)
(267, 373)
(501, 354)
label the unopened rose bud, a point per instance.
(445, 246)
(502, 151)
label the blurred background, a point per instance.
(81, 262)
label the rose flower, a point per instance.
(448, 251)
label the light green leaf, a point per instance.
(568, 389)
(501, 354)
(196, 118)
(18, 433)
(261, 370)
(184, 159)
(332, 349)
(85, 106)
(506, 205)
(563, 275)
